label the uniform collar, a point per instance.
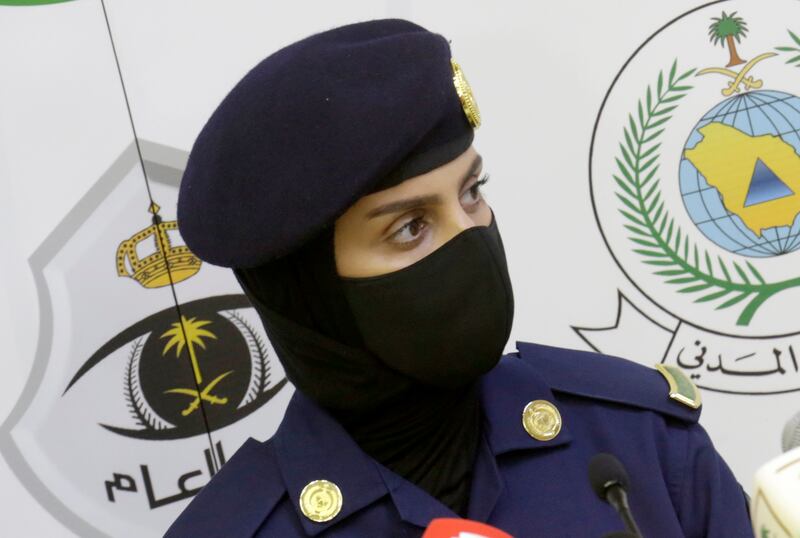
(221, 509)
(505, 392)
(311, 445)
(414, 504)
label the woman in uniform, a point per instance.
(339, 181)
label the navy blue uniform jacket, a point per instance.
(680, 486)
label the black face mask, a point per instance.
(442, 321)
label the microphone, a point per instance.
(462, 528)
(773, 507)
(609, 481)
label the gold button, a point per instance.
(541, 420)
(320, 500)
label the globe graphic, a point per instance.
(754, 113)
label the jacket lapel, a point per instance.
(310, 445)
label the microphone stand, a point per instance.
(616, 497)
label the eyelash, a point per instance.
(475, 189)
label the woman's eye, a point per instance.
(409, 233)
(473, 195)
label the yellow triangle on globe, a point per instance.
(758, 177)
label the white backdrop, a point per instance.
(72, 190)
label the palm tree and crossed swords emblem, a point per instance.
(186, 334)
(728, 30)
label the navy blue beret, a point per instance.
(311, 129)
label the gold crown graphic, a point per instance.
(153, 270)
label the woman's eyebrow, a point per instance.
(416, 201)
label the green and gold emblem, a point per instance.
(695, 178)
(755, 172)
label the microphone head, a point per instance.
(791, 434)
(605, 470)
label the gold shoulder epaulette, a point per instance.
(681, 388)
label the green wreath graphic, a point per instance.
(657, 238)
